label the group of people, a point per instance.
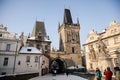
(108, 74)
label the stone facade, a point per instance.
(69, 46)
(39, 38)
(103, 49)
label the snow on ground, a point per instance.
(58, 77)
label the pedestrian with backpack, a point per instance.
(98, 74)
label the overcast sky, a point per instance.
(20, 15)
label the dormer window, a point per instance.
(29, 50)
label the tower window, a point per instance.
(38, 46)
(73, 50)
(46, 47)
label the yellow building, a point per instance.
(103, 49)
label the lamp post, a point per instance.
(15, 57)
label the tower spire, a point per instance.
(78, 21)
(67, 17)
(58, 24)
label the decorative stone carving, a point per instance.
(92, 52)
(22, 38)
(102, 48)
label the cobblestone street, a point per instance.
(58, 77)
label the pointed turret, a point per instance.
(67, 17)
(78, 21)
(38, 27)
(58, 25)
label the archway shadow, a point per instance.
(59, 65)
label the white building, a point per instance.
(9, 46)
(16, 59)
(31, 60)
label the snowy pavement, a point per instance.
(58, 77)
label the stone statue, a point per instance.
(22, 38)
(101, 47)
(92, 52)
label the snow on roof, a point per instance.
(46, 39)
(31, 38)
(30, 50)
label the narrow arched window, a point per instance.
(73, 50)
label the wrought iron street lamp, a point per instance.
(15, 57)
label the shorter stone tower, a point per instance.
(39, 38)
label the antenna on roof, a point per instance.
(36, 18)
(69, 7)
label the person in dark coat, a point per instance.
(108, 74)
(98, 74)
(67, 73)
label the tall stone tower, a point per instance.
(69, 53)
(69, 35)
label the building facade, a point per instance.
(18, 58)
(31, 60)
(103, 49)
(9, 47)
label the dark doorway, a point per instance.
(58, 65)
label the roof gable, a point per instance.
(29, 50)
(92, 36)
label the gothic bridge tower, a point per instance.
(69, 53)
(69, 35)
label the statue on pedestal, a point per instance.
(92, 52)
(22, 38)
(102, 48)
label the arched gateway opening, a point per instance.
(59, 65)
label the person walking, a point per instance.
(55, 72)
(67, 73)
(108, 74)
(98, 74)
